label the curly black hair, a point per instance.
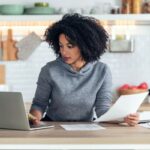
(85, 32)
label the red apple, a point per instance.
(124, 87)
(133, 87)
(143, 85)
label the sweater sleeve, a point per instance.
(104, 95)
(43, 91)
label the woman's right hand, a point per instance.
(35, 117)
(33, 120)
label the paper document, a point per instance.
(145, 125)
(125, 105)
(81, 127)
(145, 116)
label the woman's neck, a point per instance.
(78, 65)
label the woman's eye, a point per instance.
(60, 46)
(70, 46)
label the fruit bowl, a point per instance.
(130, 91)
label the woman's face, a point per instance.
(70, 53)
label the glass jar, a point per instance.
(126, 6)
(136, 6)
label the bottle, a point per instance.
(136, 6)
(126, 6)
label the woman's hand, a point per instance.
(35, 117)
(132, 119)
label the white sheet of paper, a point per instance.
(125, 105)
(145, 125)
(145, 115)
(81, 127)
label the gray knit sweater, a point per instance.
(68, 95)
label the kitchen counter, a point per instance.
(113, 134)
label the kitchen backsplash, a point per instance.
(130, 68)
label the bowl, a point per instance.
(39, 11)
(11, 9)
(131, 91)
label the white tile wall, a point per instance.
(132, 68)
(22, 75)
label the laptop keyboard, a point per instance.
(42, 124)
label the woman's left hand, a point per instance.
(132, 119)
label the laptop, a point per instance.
(13, 114)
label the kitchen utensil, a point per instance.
(39, 10)
(0, 45)
(2, 74)
(12, 9)
(8, 46)
(27, 45)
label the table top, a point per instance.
(113, 134)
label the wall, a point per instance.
(130, 68)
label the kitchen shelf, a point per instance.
(109, 18)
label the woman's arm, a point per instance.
(104, 95)
(42, 94)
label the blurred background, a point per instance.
(23, 53)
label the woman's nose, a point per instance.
(63, 50)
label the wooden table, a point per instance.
(113, 134)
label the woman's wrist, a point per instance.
(36, 113)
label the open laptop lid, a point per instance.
(12, 111)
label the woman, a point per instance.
(76, 83)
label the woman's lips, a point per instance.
(66, 58)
